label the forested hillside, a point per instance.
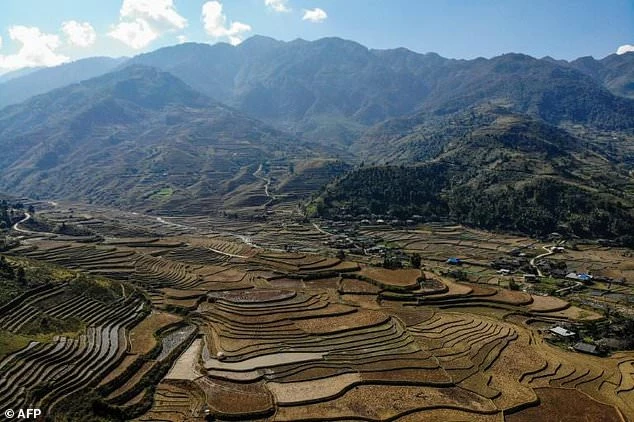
(507, 173)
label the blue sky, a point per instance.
(48, 32)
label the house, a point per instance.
(530, 278)
(454, 261)
(584, 277)
(582, 347)
(376, 249)
(562, 332)
(504, 271)
(558, 249)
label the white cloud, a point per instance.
(182, 39)
(216, 23)
(316, 15)
(155, 11)
(136, 34)
(143, 21)
(79, 34)
(278, 5)
(627, 48)
(0, 42)
(38, 49)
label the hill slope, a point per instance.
(508, 172)
(137, 137)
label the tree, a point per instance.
(21, 276)
(391, 262)
(415, 260)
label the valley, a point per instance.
(318, 231)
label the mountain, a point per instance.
(501, 171)
(615, 72)
(5, 77)
(137, 137)
(30, 82)
(203, 128)
(540, 88)
(331, 90)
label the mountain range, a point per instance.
(331, 89)
(198, 127)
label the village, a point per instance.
(532, 268)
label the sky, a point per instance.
(50, 32)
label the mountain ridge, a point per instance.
(44, 80)
(332, 89)
(120, 138)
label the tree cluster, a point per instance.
(536, 207)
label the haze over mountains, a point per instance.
(333, 87)
(26, 83)
(183, 124)
(118, 137)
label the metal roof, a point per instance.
(585, 348)
(561, 331)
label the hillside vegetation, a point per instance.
(509, 172)
(136, 138)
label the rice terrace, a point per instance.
(133, 316)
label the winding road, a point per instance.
(266, 179)
(322, 230)
(550, 250)
(26, 218)
(17, 228)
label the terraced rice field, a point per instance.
(214, 319)
(44, 373)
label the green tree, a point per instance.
(415, 260)
(21, 276)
